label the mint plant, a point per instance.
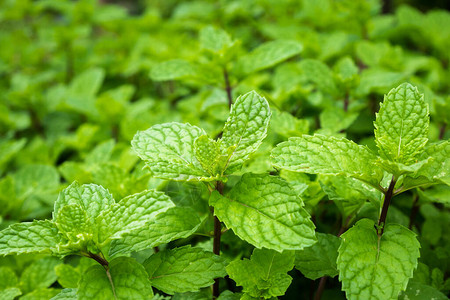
(376, 259)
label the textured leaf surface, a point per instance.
(131, 213)
(175, 223)
(266, 212)
(168, 150)
(211, 156)
(265, 274)
(420, 291)
(184, 269)
(246, 127)
(10, 293)
(436, 169)
(401, 126)
(320, 259)
(40, 274)
(73, 220)
(372, 268)
(268, 55)
(319, 154)
(29, 237)
(92, 198)
(129, 281)
(173, 69)
(66, 294)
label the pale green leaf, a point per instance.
(72, 220)
(184, 269)
(10, 293)
(266, 212)
(29, 237)
(124, 279)
(101, 153)
(40, 274)
(373, 267)
(173, 69)
(40, 294)
(265, 274)
(435, 170)
(268, 55)
(168, 150)
(329, 155)
(286, 125)
(319, 73)
(246, 127)
(320, 259)
(8, 278)
(210, 155)
(68, 276)
(92, 198)
(132, 212)
(174, 223)
(214, 39)
(34, 179)
(401, 125)
(66, 294)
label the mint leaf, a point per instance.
(373, 267)
(214, 39)
(10, 293)
(174, 223)
(211, 156)
(184, 269)
(72, 220)
(319, 154)
(168, 150)
(401, 125)
(173, 69)
(320, 259)
(68, 276)
(124, 279)
(246, 127)
(266, 212)
(8, 278)
(40, 294)
(268, 55)
(132, 212)
(420, 291)
(29, 237)
(40, 274)
(265, 274)
(66, 294)
(92, 199)
(435, 169)
(319, 73)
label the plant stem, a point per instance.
(442, 131)
(414, 211)
(99, 259)
(216, 242)
(387, 201)
(321, 287)
(227, 87)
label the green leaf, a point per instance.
(319, 73)
(211, 156)
(92, 199)
(168, 150)
(320, 259)
(124, 279)
(184, 269)
(66, 294)
(266, 212)
(172, 70)
(401, 125)
(246, 127)
(214, 39)
(7, 278)
(376, 268)
(10, 293)
(265, 274)
(268, 55)
(40, 294)
(29, 237)
(40, 274)
(174, 223)
(132, 212)
(72, 220)
(319, 154)
(420, 291)
(435, 170)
